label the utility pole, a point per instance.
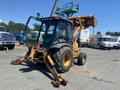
(54, 8)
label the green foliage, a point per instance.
(3, 25)
(113, 33)
(36, 27)
(12, 26)
(98, 33)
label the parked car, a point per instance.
(7, 39)
(20, 37)
(116, 42)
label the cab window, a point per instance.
(61, 30)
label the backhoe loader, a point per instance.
(56, 44)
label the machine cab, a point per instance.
(56, 30)
(52, 30)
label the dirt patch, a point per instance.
(85, 72)
(116, 60)
(91, 74)
(102, 80)
(20, 48)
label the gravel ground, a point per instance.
(101, 72)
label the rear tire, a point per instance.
(101, 47)
(82, 58)
(63, 59)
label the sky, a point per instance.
(107, 12)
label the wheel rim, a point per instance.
(83, 60)
(66, 60)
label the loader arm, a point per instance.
(80, 23)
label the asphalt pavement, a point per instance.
(101, 72)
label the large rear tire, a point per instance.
(63, 59)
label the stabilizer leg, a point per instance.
(57, 79)
(18, 61)
(29, 56)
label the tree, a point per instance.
(20, 26)
(13, 27)
(4, 25)
(113, 33)
(36, 27)
(98, 33)
(108, 33)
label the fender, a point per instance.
(59, 45)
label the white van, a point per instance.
(101, 41)
(116, 42)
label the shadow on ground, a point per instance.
(39, 67)
(2, 49)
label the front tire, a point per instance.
(102, 48)
(82, 58)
